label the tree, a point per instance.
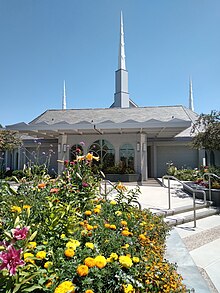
(9, 140)
(207, 131)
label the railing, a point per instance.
(209, 182)
(193, 190)
(106, 182)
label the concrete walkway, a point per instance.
(195, 250)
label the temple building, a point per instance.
(144, 139)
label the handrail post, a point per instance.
(105, 187)
(169, 193)
(194, 208)
(210, 192)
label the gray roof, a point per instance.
(164, 121)
(115, 115)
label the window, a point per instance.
(126, 154)
(76, 150)
(212, 158)
(105, 151)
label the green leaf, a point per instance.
(33, 236)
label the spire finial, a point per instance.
(121, 55)
(64, 96)
(191, 104)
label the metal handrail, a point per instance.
(106, 182)
(209, 181)
(193, 190)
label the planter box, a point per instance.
(123, 177)
(215, 193)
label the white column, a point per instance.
(64, 151)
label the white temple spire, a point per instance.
(121, 55)
(64, 96)
(191, 104)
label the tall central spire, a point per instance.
(191, 104)
(121, 55)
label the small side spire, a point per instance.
(191, 104)
(64, 96)
(121, 55)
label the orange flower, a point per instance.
(69, 252)
(107, 225)
(96, 210)
(88, 213)
(82, 270)
(41, 185)
(54, 190)
(90, 262)
(113, 227)
(124, 223)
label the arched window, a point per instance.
(105, 151)
(126, 154)
(75, 150)
(212, 158)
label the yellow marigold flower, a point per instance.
(89, 245)
(89, 227)
(32, 245)
(125, 246)
(73, 244)
(118, 213)
(62, 236)
(96, 210)
(128, 288)
(113, 202)
(109, 259)
(26, 206)
(100, 261)
(113, 227)
(98, 206)
(142, 237)
(89, 291)
(82, 270)
(114, 256)
(89, 262)
(125, 261)
(95, 227)
(88, 213)
(28, 257)
(124, 223)
(16, 209)
(136, 259)
(69, 252)
(41, 254)
(125, 233)
(66, 286)
(107, 225)
(48, 264)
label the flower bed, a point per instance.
(61, 236)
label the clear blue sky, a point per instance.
(44, 42)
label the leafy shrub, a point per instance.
(60, 235)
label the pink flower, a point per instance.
(85, 184)
(20, 234)
(11, 258)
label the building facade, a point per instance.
(142, 138)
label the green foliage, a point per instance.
(207, 130)
(67, 221)
(9, 140)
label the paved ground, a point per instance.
(196, 250)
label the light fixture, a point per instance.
(138, 146)
(64, 148)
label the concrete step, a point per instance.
(179, 210)
(188, 216)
